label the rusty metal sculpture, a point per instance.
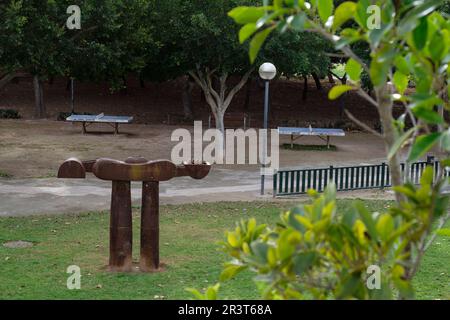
(150, 173)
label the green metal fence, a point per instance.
(294, 182)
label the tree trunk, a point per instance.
(220, 123)
(343, 98)
(305, 88)
(142, 82)
(187, 99)
(40, 111)
(124, 88)
(317, 81)
(248, 93)
(330, 78)
(390, 136)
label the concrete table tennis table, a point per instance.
(113, 121)
(323, 134)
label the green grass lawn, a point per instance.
(188, 247)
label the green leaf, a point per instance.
(420, 34)
(247, 31)
(211, 292)
(338, 91)
(354, 70)
(298, 22)
(366, 217)
(428, 115)
(437, 48)
(325, 9)
(244, 15)
(303, 261)
(385, 226)
(349, 285)
(232, 239)
(257, 42)
(230, 272)
(427, 177)
(400, 81)
(422, 145)
(378, 72)
(343, 13)
(361, 13)
(260, 250)
(412, 18)
(402, 64)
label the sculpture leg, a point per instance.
(121, 232)
(150, 226)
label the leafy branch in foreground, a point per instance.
(313, 253)
(317, 252)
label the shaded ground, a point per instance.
(188, 248)
(152, 103)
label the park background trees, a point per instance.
(154, 40)
(114, 40)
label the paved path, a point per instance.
(56, 196)
(24, 197)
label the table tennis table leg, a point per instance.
(292, 141)
(328, 142)
(116, 128)
(84, 127)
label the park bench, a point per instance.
(87, 120)
(323, 134)
(232, 120)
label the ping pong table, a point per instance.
(87, 120)
(323, 134)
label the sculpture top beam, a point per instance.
(132, 169)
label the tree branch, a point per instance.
(362, 124)
(366, 96)
(236, 88)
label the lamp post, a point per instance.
(267, 72)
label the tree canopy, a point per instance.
(157, 40)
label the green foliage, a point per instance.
(315, 251)
(9, 114)
(114, 40)
(298, 53)
(195, 34)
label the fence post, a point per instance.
(383, 174)
(430, 163)
(275, 176)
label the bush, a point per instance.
(9, 114)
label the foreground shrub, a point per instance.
(9, 114)
(320, 253)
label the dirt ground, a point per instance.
(30, 148)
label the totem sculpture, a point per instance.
(150, 173)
